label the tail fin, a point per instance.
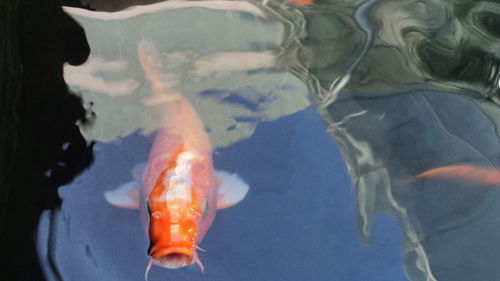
(151, 65)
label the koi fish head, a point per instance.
(172, 243)
(177, 205)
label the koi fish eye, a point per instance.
(155, 214)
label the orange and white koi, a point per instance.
(178, 190)
(463, 173)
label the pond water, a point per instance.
(327, 110)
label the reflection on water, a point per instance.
(403, 86)
(214, 64)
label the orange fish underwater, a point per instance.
(177, 191)
(465, 173)
(301, 2)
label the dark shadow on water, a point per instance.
(39, 138)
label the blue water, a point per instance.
(297, 222)
(401, 86)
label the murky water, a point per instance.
(310, 104)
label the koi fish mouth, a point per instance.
(173, 257)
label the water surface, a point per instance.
(401, 86)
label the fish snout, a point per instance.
(173, 257)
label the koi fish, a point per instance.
(465, 173)
(301, 2)
(178, 190)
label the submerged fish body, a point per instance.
(177, 191)
(301, 2)
(470, 174)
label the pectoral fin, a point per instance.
(125, 196)
(139, 170)
(231, 189)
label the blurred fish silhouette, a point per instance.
(178, 190)
(468, 174)
(301, 2)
